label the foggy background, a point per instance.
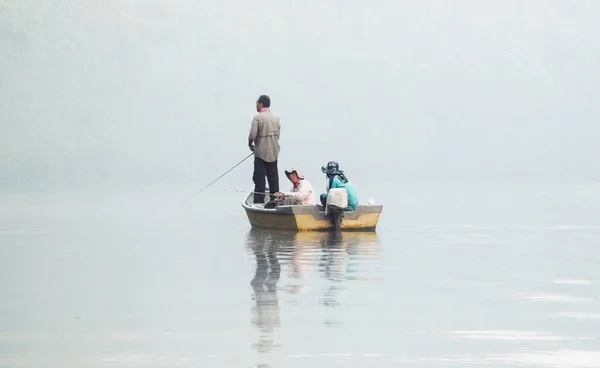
(474, 124)
(107, 93)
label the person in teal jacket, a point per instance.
(337, 179)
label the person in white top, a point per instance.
(302, 192)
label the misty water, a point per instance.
(474, 124)
(455, 276)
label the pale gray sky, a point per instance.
(164, 90)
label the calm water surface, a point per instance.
(454, 277)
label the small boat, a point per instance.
(308, 217)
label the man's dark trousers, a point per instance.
(264, 169)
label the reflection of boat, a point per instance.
(309, 218)
(356, 243)
(285, 262)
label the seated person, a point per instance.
(337, 179)
(302, 192)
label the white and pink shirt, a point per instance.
(303, 193)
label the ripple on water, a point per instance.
(580, 315)
(573, 282)
(506, 335)
(554, 359)
(542, 297)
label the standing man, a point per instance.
(264, 141)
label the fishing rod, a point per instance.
(211, 183)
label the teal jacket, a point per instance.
(352, 196)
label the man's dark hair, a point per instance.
(264, 100)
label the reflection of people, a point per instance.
(335, 257)
(264, 284)
(302, 255)
(334, 264)
(302, 192)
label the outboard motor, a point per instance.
(337, 201)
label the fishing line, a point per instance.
(211, 183)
